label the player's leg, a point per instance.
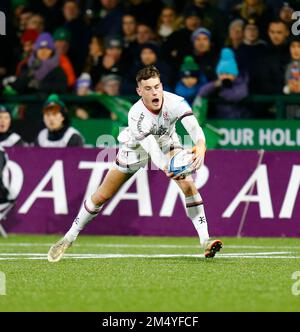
(112, 182)
(195, 211)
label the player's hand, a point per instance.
(172, 176)
(198, 157)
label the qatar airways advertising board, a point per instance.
(246, 193)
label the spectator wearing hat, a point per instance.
(235, 34)
(8, 137)
(113, 61)
(188, 85)
(80, 35)
(42, 73)
(204, 53)
(83, 88)
(58, 132)
(62, 39)
(230, 85)
(28, 39)
(275, 60)
(93, 64)
(250, 53)
(179, 44)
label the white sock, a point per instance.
(195, 211)
(87, 213)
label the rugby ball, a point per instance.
(180, 163)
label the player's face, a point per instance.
(151, 91)
(53, 120)
(5, 121)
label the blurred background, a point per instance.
(236, 62)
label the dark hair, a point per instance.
(146, 73)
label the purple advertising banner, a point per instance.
(245, 193)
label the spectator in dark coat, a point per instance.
(230, 85)
(213, 18)
(51, 11)
(251, 51)
(42, 73)
(274, 62)
(109, 21)
(80, 35)
(179, 44)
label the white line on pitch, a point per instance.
(122, 245)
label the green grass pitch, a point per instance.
(149, 274)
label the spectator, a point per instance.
(144, 34)
(230, 85)
(129, 30)
(62, 39)
(93, 64)
(168, 22)
(111, 85)
(213, 18)
(36, 22)
(285, 14)
(83, 88)
(109, 21)
(256, 10)
(188, 86)
(58, 132)
(235, 34)
(22, 18)
(113, 61)
(179, 43)
(28, 39)
(8, 138)
(42, 73)
(204, 54)
(51, 11)
(143, 11)
(149, 55)
(292, 78)
(250, 51)
(275, 61)
(80, 35)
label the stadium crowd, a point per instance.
(228, 49)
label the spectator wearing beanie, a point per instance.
(62, 39)
(230, 85)
(8, 137)
(204, 54)
(42, 73)
(188, 85)
(28, 39)
(83, 88)
(58, 132)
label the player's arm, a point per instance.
(150, 145)
(190, 123)
(196, 133)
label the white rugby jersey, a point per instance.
(142, 122)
